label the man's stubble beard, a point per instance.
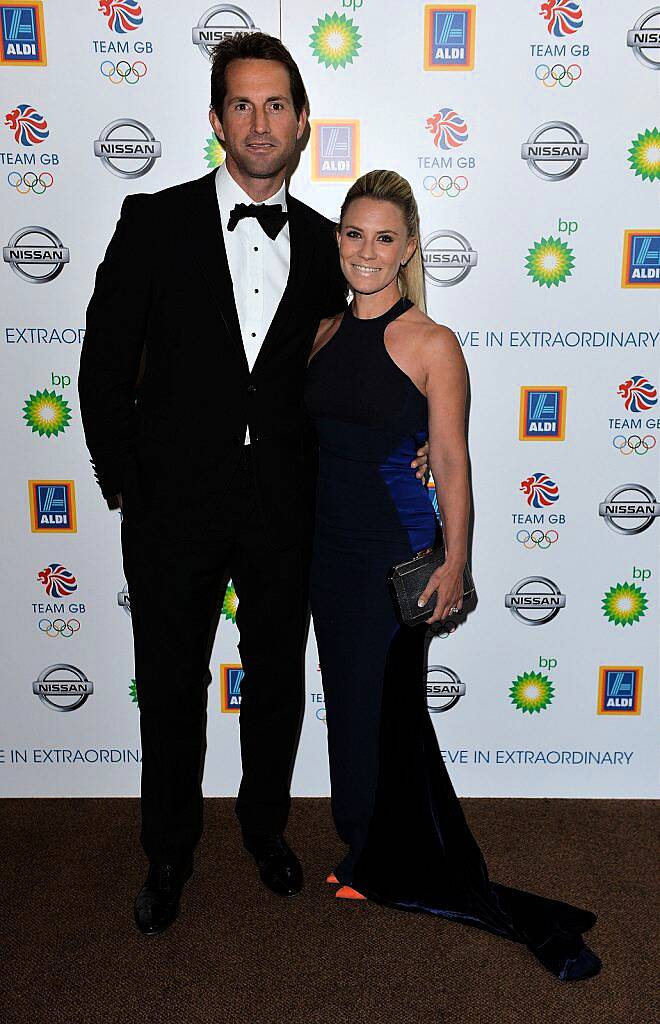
(262, 169)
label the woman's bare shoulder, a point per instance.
(427, 332)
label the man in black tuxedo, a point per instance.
(210, 294)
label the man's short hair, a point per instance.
(253, 46)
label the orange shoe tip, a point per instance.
(347, 893)
(332, 879)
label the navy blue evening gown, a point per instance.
(408, 843)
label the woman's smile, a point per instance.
(361, 269)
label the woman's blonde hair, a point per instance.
(392, 188)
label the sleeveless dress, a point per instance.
(393, 804)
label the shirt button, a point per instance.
(256, 248)
(256, 291)
(251, 388)
(253, 335)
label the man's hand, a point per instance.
(421, 463)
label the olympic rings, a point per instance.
(558, 75)
(58, 627)
(122, 71)
(537, 538)
(634, 443)
(443, 628)
(30, 182)
(447, 186)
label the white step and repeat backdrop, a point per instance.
(529, 133)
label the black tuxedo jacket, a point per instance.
(163, 312)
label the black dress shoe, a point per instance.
(157, 903)
(278, 865)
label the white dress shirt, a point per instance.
(259, 265)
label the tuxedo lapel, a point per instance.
(302, 248)
(208, 250)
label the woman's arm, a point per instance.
(446, 385)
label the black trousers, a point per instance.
(176, 583)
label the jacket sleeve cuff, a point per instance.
(114, 478)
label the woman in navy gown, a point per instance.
(382, 379)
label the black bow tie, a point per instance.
(272, 218)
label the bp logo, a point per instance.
(335, 41)
(531, 692)
(214, 154)
(624, 604)
(549, 262)
(220, 22)
(62, 687)
(229, 603)
(46, 413)
(644, 155)
(633, 503)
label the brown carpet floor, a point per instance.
(70, 952)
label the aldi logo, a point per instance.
(620, 690)
(335, 147)
(22, 35)
(52, 506)
(449, 31)
(641, 259)
(231, 677)
(542, 413)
